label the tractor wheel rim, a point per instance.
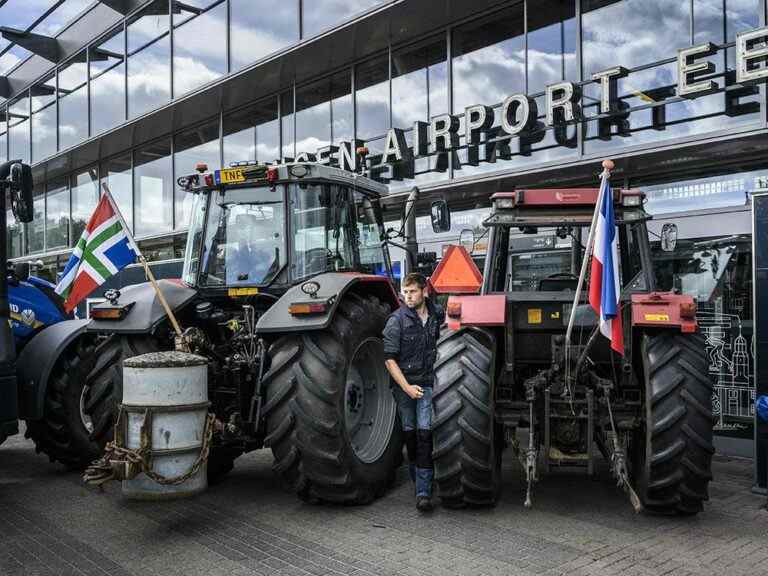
(369, 407)
(85, 419)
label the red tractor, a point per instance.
(504, 364)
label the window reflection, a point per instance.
(148, 60)
(107, 72)
(313, 116)
(287, 126)
(199, 144)
(116, 174)
(36, 228)
(73, 102)
(14, 237)
(197, 59)
(261, 27)
(320, 15)
(18, 129)
(372, 98)
(252, 133)
(85, 197)
(3, 135)
(342, 127)
(57, 214)
(551, 44)
(153, 189)
(44, 119)
(488, 66)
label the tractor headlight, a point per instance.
(504, 203)
(634, 200)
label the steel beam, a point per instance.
(45, 46)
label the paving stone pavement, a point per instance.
(51, 525)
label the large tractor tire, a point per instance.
(64, 432)
(676, 466)
(467, 443)
(105, 385)
(330, 414)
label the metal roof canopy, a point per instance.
(44, 46)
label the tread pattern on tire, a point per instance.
(679, 423)
(465, 450)
(304, 408)
(60, 434)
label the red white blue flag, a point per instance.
(604, 287)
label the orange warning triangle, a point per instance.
(456, 273)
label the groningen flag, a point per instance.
(105, 248)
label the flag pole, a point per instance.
(147, 270)
(608, 165)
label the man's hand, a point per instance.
(414, 392)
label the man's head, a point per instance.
(414, 289)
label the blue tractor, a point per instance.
(52, 402)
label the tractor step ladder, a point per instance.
(560, 409)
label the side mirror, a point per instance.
(467, 239)
(21, 192)
(668, 237)
(441, 216)
(21, 270)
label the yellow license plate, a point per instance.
(657, 317)
(242, 291)
(534, 316)
(231, 175)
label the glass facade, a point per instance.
(158, 54)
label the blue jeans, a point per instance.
(416, 419)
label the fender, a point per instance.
(38, 359)
(333, 287)
(664, 310)
(146, 311)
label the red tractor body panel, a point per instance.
(488, 310)
(662, 309)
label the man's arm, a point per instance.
(391, 337)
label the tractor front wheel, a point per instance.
(676, 464)
(467, 443)
(330, 414)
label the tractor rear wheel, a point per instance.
(330, 414)
(467, 443)
(64, 432)
(105, 391)
(676, 466)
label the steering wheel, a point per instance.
(314, 260)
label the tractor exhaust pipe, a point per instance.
(409, 230)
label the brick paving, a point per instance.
(51, 525)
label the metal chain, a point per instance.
(121, 463)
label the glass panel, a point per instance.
(372, 98)
(116, 173)
(150, 23)
(313, 116)
(22, 13)
(488, 66)
(149, 78)
(252, 134)
(12, 58)
(44, 119)
(708, 21)
(200, 144)
(287, 125)
(318, 16)
(18, 129)
(3, 136)
(195, 239)
(419, 92)
(14, 238)
(419, 83)
(551, 44)
(245, 239)
(73, 102)
(57, 20)
(196, 59)
(188, 9)
(656, 29)
(36, 228)
(740, 15)
(107, 83)
(341, 107)
(85, 196)
(261, 27)
(57, 215)
(154, 189)
(713, 192)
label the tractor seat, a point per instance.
(558, 283)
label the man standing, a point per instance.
(410, 349)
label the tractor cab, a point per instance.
(538, 236)
(259, 226)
